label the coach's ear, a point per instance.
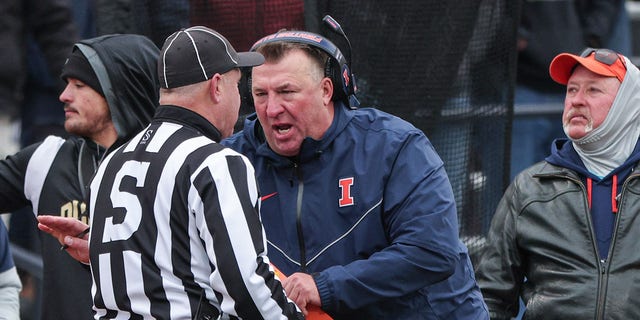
(327, 90)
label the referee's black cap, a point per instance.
(196, 54)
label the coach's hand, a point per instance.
(301, 288)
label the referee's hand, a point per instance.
(70, 232)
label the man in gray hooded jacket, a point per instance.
(565, 234)
(111, 94)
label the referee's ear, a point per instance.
(216, 91)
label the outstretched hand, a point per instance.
(70, 232)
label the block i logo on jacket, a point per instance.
(345, 194)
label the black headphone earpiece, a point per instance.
(328, 68)
(336, 67)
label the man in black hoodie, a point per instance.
(111, 94)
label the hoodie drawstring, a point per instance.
(614, 194)
(589, 190)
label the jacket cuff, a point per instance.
(322, 284)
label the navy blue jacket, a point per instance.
(368, 210)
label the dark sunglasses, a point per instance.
(605, 56)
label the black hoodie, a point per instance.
(130, 89)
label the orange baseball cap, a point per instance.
(604, 62)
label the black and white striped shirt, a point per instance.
(174, 216)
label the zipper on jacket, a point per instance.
(303, 252)
(602, 264)
(601, 289)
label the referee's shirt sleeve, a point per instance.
(235, 241)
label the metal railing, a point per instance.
(27, 260)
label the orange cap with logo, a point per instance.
(604, 62)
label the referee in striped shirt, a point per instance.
(175, 230)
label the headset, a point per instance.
(336, 68)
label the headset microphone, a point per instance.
(335, 27)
